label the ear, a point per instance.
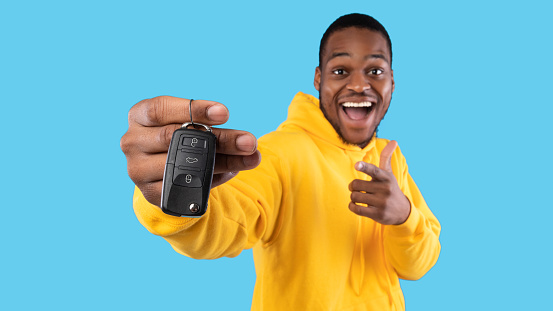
(317, 80)
(393, 82)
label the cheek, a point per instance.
(386, 95)
(386, 89)
(328, 91)
(326, 87)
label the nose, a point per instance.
(358, 82)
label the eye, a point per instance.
(376, 72)
(339, 72)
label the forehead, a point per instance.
(354, 41)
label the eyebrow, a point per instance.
(346, 54)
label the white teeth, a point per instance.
(363, 104)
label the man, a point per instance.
(331, 212)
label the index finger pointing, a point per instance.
(163, 110)
(371, 170)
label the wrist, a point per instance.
(405, 211)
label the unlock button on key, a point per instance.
(187, 179)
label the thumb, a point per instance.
(386, 156)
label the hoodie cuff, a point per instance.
(409, 227)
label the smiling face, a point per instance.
(355, 83)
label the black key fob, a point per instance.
(188, 172)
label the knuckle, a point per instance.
(356, 197)
(125, 143)
(356, 184)
(155, 108)
(159, 100)
(375, 172)
(134, 173)
(150, 111)
(165, 135)
(128, 143)
(134, 111)
(229, 163)
(222, 140)
(238, 163)
(354, 207)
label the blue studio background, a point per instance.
(471, 112)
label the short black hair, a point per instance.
(354, 20)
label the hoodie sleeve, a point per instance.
(240, 213)
(412, 247)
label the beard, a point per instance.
(362, 144)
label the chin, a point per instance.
(358, 141)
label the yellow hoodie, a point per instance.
(310, 251)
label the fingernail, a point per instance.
(217, 113)
(246, 143)
(359, 166)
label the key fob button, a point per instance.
(188, 179)
(186, 158)
(194, 142)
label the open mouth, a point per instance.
(357, 111)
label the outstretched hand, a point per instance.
(380, 199)
(151, 126)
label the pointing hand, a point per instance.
(381, 198)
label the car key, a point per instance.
(188, 171)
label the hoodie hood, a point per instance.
(305, 113)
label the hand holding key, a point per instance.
(151, 126)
